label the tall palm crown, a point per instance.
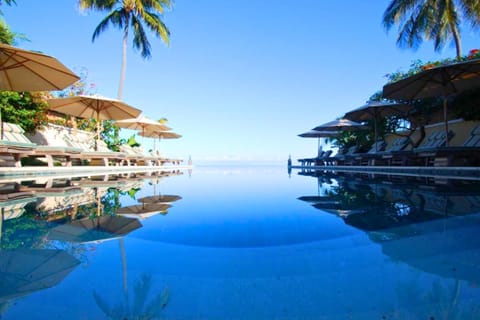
(135, 15)
(437, 20)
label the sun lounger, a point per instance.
(134, 157)
(341, 158)
(379, 154)
(318, 161)
(368, 157)
(15, 208)
(321, 161)
(310, 161)
(160, 160)
(468, 154)
(11, 190)
(103, 156)
(420, 156)
(17, 145)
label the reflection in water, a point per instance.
(431, 225)
(138, 305)
(239, 245)
(46, 226)
(101, 228)
(23, 271)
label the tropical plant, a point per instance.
(131, 14)
(437, 20)
(29, 110)
(132, 142)
(7, 36)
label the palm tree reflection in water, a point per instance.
(138, 308)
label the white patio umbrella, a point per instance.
(141, 123)
(94, 107)
(160, 134)
(23, 70)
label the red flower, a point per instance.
(474, 53)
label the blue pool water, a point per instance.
(244, 243)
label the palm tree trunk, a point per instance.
(124, 62)
(456, 38)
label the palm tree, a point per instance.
(7, 2)
(135, 15)
(437, 20)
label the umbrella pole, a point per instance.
(123, 256)
(1, 223)
(98, 131)
(445, 106)
(1, 125)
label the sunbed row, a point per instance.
(59, 146)
(433, 150)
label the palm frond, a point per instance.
(159, 28)
(100, 5)
(160, 5)
(102, 304)
(471, 11)
(139, 8)
(116, 18)
(141, 290)
(397, 11)
(436, 20)
(158, 303)
(140, 40)
(409, 35)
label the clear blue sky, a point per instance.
(240, 79)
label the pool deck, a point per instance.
(78, 171)
(447, 172)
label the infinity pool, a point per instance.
(243, 243)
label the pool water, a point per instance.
(244, 243)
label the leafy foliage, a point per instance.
(24, 232)
(26, 109)
(418, 66)
(132, 142)
(7, 36)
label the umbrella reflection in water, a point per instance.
(100, 227)
(24, 271)
(431, 227)
(144, 210)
